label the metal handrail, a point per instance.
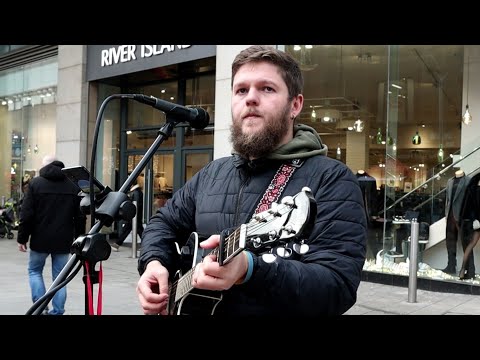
(429, 199)
(440, 192)
(427, 181)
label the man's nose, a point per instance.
(252, 97)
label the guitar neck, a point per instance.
(229, 247)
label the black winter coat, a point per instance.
(50, 214)
(225, 193)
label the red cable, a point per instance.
(91, 310)
(89, 290)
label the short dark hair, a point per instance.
(288, 65)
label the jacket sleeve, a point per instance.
(323, 281)
(172, 223)
(27, 217)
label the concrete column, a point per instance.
(358, 145)
(223, 95)
(71, 126)
(471, 94)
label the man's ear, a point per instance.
(297, 106)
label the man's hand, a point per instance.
(152, 289)
(22, 247)
(209, 275)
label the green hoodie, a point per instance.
(305, 143)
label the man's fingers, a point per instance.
(211, 242)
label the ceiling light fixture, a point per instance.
(329, 115)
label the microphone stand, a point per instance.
(93, 247)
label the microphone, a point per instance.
(197, 117)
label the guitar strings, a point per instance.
(185, 282)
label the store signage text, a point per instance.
(126, 53)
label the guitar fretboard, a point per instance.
(233, 245)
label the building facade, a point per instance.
(391, 113)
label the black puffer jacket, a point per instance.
(225, 193)
(50, 214)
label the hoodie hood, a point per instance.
(53, 171)
(305, 143)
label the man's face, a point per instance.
(261, 111)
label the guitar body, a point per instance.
(195, 301)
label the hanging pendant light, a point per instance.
(467, 117)
(390, 140)
(416, 139)
(440, 154)
(379, 136)
(339, 152)
(358, 125)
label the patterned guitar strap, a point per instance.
(277, 185)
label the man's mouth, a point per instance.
(251, 115)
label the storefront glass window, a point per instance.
(201, 93)
(143, 122)
(386, 111)
(108, 146)
(27, 123)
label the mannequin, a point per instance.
(459, 173)
(456, 187)
(472, 211)
(465, 274)
(368, 184)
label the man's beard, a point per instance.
(262, 143)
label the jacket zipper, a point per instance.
(240, 195)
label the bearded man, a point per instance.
(271, 156)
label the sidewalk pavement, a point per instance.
(120, 278)
(380, 299)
